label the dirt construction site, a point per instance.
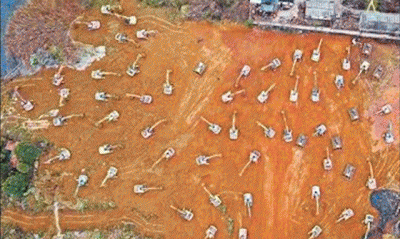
(282, 179)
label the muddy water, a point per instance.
(282, 179)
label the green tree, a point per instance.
(27, 152)
(16, 185)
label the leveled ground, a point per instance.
(280, 182)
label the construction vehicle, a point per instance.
(275, 63)
(113, 116)
(64, 94)
(378, 73)
(214, 199)
(143, 188)
(315, 232)
(349, 171)
(58, 78)
(149, 131)
(317, 52)
(363, 67)
(145, 99)
(244, 72)
(301, 140)
(268, 130)
(123, 38)
(128, 20)
(248, 202)
(297, 55)
(315, 91)
(26, 104)
(60, 120)
(134, 68)
(346, 214)
(367, 49)
(200, 68)
(242, 233)
(111, 173)
(145, 34)
(99, 74)
(233, 131)
(294, 94)
(327, 163)
(319, 130)
(64, 154)
(227, 97)
(263, 96)
(82, 181)
(216, 129)
(184, 213)
(353, 113)
(336, 142)
(287, 133)
(253, 158)
(346, 65)
(169, 153)
(316, 194)
(369, 219)
(104, 96)
(388, 136)
(203, 159)
(109, 10)
(51, 113)
(91, 25)
(371, 182)
(167, 87)
(108, 148)
(210, 233)
(339, 82)
(385, 110)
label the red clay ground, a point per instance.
(280, 182)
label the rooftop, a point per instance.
(320, 9)
(380, 22)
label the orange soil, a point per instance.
(280, 182)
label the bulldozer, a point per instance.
(253, 158)
(248, 202)
(346, 65)
(108, 148)
(317, 52)
(244, 72)
(297, 55)
(26, 104)
(315, 232)
(227, 97)
(315, 93)
(200, 68)
(149, 131)
(203, 159)
(210, 233)
(216, 129)
(294, 94)
(60, 120)
(327, 163)
(134, 68)
(113, 116)
(319, 130)
(169, 153)
(99, 74)
(184, 213)
(145, 99)
(268, 130)
(287, 133)
(353, 113)
(63, 154)
(339, 82)
(275, 63)
(233, 131)
(345, 215)
(111, 173)
(263, 96)
(143, 188)
(167, 87)
(301, 140)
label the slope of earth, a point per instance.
(280, 182)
